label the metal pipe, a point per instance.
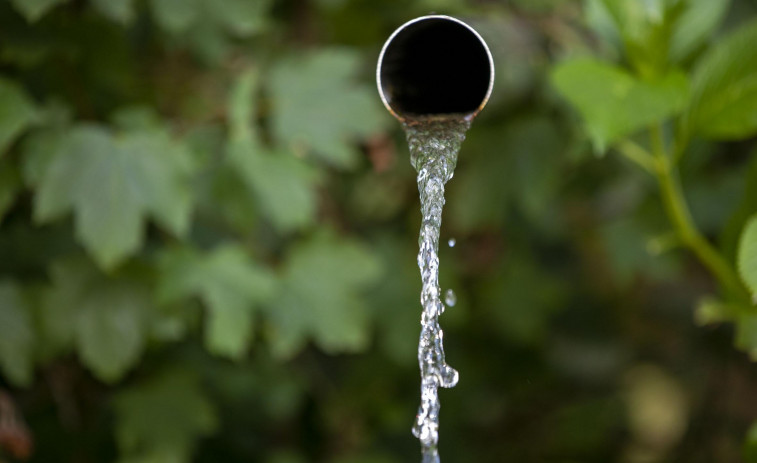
(434, 65)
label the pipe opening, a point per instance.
(435, 65)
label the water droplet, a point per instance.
(452, 242)
(450, 377)
(450, 298)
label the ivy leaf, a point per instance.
(228, 198)
(37, 152)
(320, 108)
(104, 319)
(112, 184)
(282, 184)
(615, 104)
(32, 10)
(747, 255)
(110, 329)
(724, 89)
(323, 280)
(230, 285)
(71, 280)
(16, 335)
(16, 113)
(160, 419)
(121, 11)
(176, 15)
(10, 184)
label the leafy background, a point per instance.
(209, 228)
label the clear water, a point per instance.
(434, 144)
(450, 298)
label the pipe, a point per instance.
(434, 65)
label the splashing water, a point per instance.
(434, 143)
(451, 242)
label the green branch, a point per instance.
(662, 167)
(637, 155)
(680, 217)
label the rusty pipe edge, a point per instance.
(434, 65)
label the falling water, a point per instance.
(434, 143)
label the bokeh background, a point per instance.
(209, 230)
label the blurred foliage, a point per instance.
(208, 230)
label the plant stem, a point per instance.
(638, 155)
(680, 216)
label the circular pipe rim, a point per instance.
(396, 32)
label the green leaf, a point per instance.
(602, 23)
(323, 280)
(71, 281)
(110, 330)
(176, 15)
(16, 113)
(746, 334)
(37, 152)
(160, 420)
(112, 184)
(747, 255)
(240, 17)
(695, 26)
(104, 319)
(320, 108)
(615, 104)
(121, 11)
(136, 118)
(10, 184)
(655, 33)
(16, 335)
(282, 184)
(646, 29)
(35, 9)
(724, 89)
(230, 285)
(229, 199)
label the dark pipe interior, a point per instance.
(435, 66)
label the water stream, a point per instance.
(434, 144)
